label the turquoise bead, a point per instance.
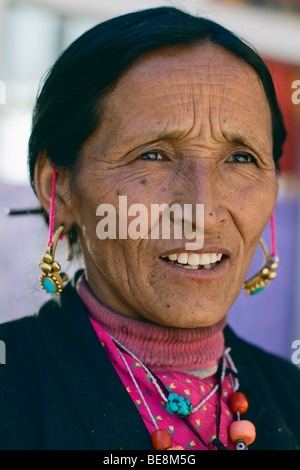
(178, 405)
(258, 290)
(49, 286)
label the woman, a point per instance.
(155, 107)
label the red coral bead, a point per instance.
(238, 403)
(242, 431)
(161, 439)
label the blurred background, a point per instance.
(32, 35)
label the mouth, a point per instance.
(195, 261)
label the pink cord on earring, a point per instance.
(274, 252)
(51, 215)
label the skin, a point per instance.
(201, 109)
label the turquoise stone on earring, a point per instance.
(49, 286)
(179, 405)
(256, 291)
(51, 281)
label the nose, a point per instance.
(205, 187)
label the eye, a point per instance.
(242, 158)
(151, 156)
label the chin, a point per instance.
(188, 320)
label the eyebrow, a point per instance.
(233, 137)
(229, 137)
(252, 144)
(238, 139)
(155, 137)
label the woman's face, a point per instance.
(187, 126)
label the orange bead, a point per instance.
(176, 448)
(242, 431)
(238, 403)
(161, 439)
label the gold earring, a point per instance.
(259, 281)
(51, 281)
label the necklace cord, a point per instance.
(223, 370)
(184, 418)
(138, 388)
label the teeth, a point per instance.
(205, 258)
(207, 266)
(182, 258)
(213, 258)
(193, 260)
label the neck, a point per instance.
(159, 347)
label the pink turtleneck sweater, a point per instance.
(184, 359)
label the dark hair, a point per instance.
(68, 108)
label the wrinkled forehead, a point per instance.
(198, 82)
(199, 65)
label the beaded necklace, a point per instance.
(241, 433)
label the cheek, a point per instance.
(103, 216)
(251, 207)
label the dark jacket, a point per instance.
(59, 390)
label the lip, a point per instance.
(198, 274)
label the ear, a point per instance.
(43, 176)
